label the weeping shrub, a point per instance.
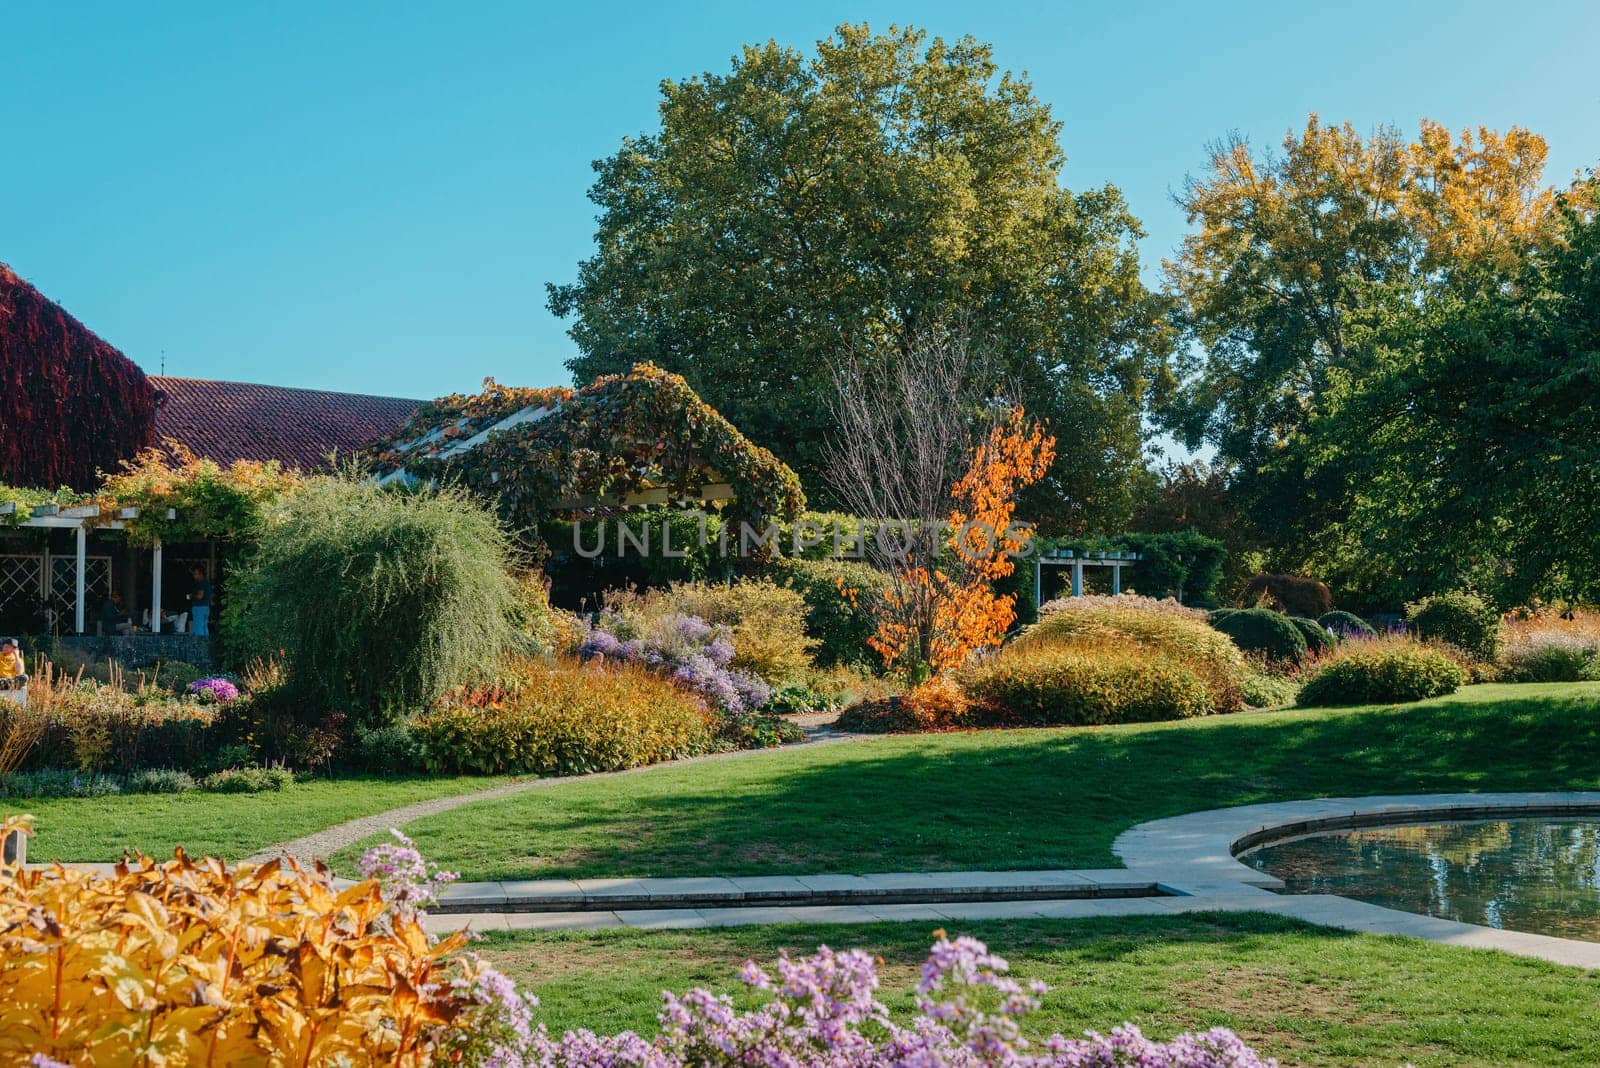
(377, 601)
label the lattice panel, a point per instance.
(64, 580)
(19, 580)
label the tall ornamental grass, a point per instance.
(1551, 647)
(377, 601)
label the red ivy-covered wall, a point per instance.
(70, 404)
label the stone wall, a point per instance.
(134, 651)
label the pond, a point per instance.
(1536, 875)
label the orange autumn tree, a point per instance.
(937, 614)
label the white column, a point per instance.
(1038, 570)
(155, 589)
(1077, 578)
(1116, 579)
(83, 552)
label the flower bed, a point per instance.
(184, 963)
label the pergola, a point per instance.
(1116, 560)
(81, 519)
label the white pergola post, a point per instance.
(1116, 578)
(1077, 578)
(155, 588)
(83, 552)
(1038, 577)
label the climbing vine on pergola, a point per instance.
(625, 441)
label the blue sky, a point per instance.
(371, 197)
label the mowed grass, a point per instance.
(1306, 995)
(1011, 799)
(230, 826)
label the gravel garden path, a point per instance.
(324, 843)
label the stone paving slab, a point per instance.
(572, 895)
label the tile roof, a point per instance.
(227, 421)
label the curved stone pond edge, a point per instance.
(1188, 860)
(1196, 854)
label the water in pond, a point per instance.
(1536, 875)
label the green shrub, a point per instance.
(1382, 671)
(1460, 618)
(1048, 686)
(390, 748)
(177, 675)
(1318, 639)
(1263, 632)
(378, 600)
(799, 700)
(1138, 623)
(564, 718)
(247, 780)
(840, 625)
(1264, 690)
(160, 781)
(1346, 625)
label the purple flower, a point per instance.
(410, 883)
(214, 690)
(822, 1011)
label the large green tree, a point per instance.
(800, 209)
(1301, 266)
(1473, 442)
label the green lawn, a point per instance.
(224, 825)
(1012, 799)
(1306, 995)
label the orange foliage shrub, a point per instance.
(191, 963)
(941, 616)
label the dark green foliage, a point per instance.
(378, 601)
(1459, 617)
(1261, 631)
(1020, 585)
(1183, 562)
(1382, 672)
(1317, 638)
(576, 577)
(840, 625)
(387, 750)
(1294, 595)
(1346, 624)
